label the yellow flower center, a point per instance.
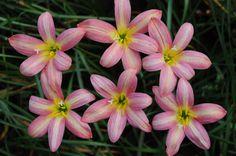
(48, 49)
(171, 56)
(184, 115)
(123, 36)
(120, 101)
(60, 108)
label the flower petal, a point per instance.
(54, 78)
(184, 93)
(167, 103)
(131, 60)
(39, 105)
(98, 30)
(140, 22)
(164, 121)
(79, 98)
(143, 43)
(55, 133)
(47, 90)
(122, 13)
(159, 31)
(196, 60)
(77, 127)
(39, 126)
(103, 86)
(167, 80)
(112, 55)
(62, 61)
(138, 118)
(209, 112)
(183, 70)
(153, 62)
(33, 65)
(69, 38)
(198, 135)
(97, 111)
(183, 36)
(25, 44)
(174, 139)
(46, 27)
(116, 125)
(139, 101)
(127, 81)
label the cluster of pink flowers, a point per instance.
(120, 102)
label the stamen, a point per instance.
(184, 115)
(171, 56)
(37, 50)
(123, 37)
(120, 101)
(62, 107)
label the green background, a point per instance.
(215, 31)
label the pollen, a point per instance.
(60, 108)
(120, 101)
(184, 115)
(49, 49)
(171, 56)
(123, 36)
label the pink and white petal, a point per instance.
(195, 59)
(143, 43)
(62, 61)
(131, 60)
(138, 118)
(167, 103)
(39, 126)
(78, 127)
(164, 121)
(46, 27)
(208, 112)
(140, 23)
(174, 139)
(99, 110)
(183, 70)
(153, 62)
(103, 86)
(116, 125)
(70, 37)
(198, 135)
(138, 101)
(167, 80)
(54, 77)
(112, 55)
(24, 44)
(47, 90)
(39, 105)
(122, 13)
(184, 93)
(159, 31)
(55, 133)
(79, 98)
(183, 36)
(98, 30)
(33, 65)
(144, 117)
(127, 81)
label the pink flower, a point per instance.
(55, 113)
(49, 53)
(120, 103)
(173, 60)
(127, 40)
(183, 118)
